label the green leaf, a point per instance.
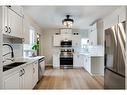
(35, 46)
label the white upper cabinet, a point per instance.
(17, 9)
(93, 34)
(56, 40)
(96, 33)
(66, 36)
(13, 23)
(76, 40)
(66, 31)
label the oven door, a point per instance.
(68, 61)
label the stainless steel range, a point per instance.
(66, 58)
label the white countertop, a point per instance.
(28, 60)
(91, 55)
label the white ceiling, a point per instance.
(52, 16)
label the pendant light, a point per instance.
(68, 21)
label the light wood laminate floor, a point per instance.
(69, 79)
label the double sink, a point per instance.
(12, 65)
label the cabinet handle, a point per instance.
(6, 29)
(33, 70)
(10, 30)
(21, 72)
(9, 6)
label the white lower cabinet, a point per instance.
(77, 60)
(35, 74)
(87, 63)
(56, 60)
(27, 77)
(13, 80)
(24, 77)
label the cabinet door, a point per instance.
(88, 64)
(35, 74)
(27, 77)
(84, 65)
(56, 40)
(66, 36)
(15, 23)
(77, 60)
(12, 81)
(17, 9)
(56, 61)
(81, 58)
(93, 36)
(5, 20)
(76, 40)
(66, 31)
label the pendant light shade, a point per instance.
(68, 21)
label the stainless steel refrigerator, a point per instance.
(115, 55)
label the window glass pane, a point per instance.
(32, 32)
(84, 42)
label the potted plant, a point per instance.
(35, 47)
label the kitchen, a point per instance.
(50, 53)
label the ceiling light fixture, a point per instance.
(68, 21)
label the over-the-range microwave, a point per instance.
(66, 43)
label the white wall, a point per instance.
(35, 27)
(47, 42)
(33, 23)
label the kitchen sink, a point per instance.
(12, 65)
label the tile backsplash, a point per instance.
(17, 47)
